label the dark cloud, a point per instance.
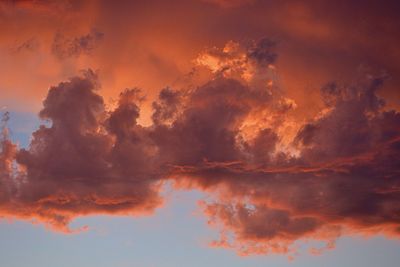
(263, 52)
(166, 108)
(347, 129)
(29, 45)
(207, 126)
(260, 224)
(77, 165)
(346, 178)
(338, 174)
(7, 155)
(230, 3)
(65, 47)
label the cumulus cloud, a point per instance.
(251, 62)
(345, 179)
(272, 184)
(87, 161)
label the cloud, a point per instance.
(7, 155)
(345, 180)
(64, 47)
(167, 106)
(87, 161)
(29, 45)
(230, 3)
(259, 229)
(252, 61)
(274, 179)
(40, 6)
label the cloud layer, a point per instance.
(274, 179)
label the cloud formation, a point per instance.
(230, 3)
(88, 161)
(274, 179)
(64, 47)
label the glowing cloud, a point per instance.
(337, 175)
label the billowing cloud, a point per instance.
(274, 179)
(345, 179)
(88, 161)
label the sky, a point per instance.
(199, 133)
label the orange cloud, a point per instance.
(283, 160)
(95, 159)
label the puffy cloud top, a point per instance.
(337, 173)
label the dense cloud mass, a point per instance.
(87, 161)
(274, 179)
